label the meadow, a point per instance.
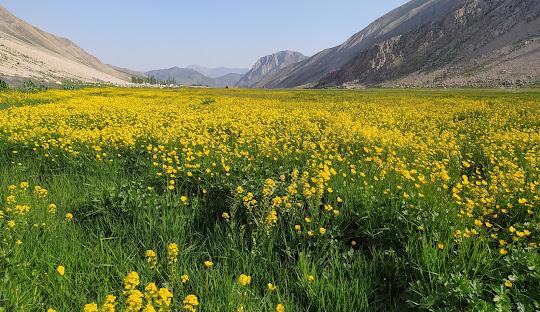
(252, 200)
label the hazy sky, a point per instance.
(145, 35)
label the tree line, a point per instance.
(153, 80)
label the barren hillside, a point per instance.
(26, 51)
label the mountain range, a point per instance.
(430, 43)
(218, 72)
(423, 43)
(476, 43)
(190, 77)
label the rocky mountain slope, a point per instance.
(26, 51)
(189, 77)
(479, 43)
(398, 21)
(267, 65)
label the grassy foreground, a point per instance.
(249, 200)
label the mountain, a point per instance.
(267, 65)
(398, 21)
(189, 77)
(29, 52)
(478, 43)
(217, 72)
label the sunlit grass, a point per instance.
(342, 200)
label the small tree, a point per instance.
(3, 85)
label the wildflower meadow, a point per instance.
(149, 200)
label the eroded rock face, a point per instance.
(397, 22)
(268, 64)
(469, 46)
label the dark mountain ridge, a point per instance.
(480, 42)
(398, 21)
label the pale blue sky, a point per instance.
(145, 35)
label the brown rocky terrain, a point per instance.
(26, 51)
(479, 43)
(398, 21)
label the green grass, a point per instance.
(391, 266)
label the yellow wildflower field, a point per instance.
(418, 174)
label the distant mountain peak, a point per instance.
(269, 64)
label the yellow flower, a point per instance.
(297, 227)
(149, 308)
(280, 308)
(172, 253)
(18, 242)
(310, 233)
(441, 246)
(508, 283)
(60, 269)
(91, 307)
(271, 287)
(151, 288)
(184, 278)
(353, 243)
(339, 200)
(512, 229)
(307, 219)
(527, 232)
(11, 223)
(310, 277)
(109, 304)
(69, 216)
(421, 228)
(191, 300)
(244, 279)
(322, 230)
(51, 310)
(131, 280)
(208, 263)
(134, 301)
(225, 215)
(164, 297)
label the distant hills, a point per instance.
(28, 52)
(219, 71)
(267, 65)
(189, 77)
